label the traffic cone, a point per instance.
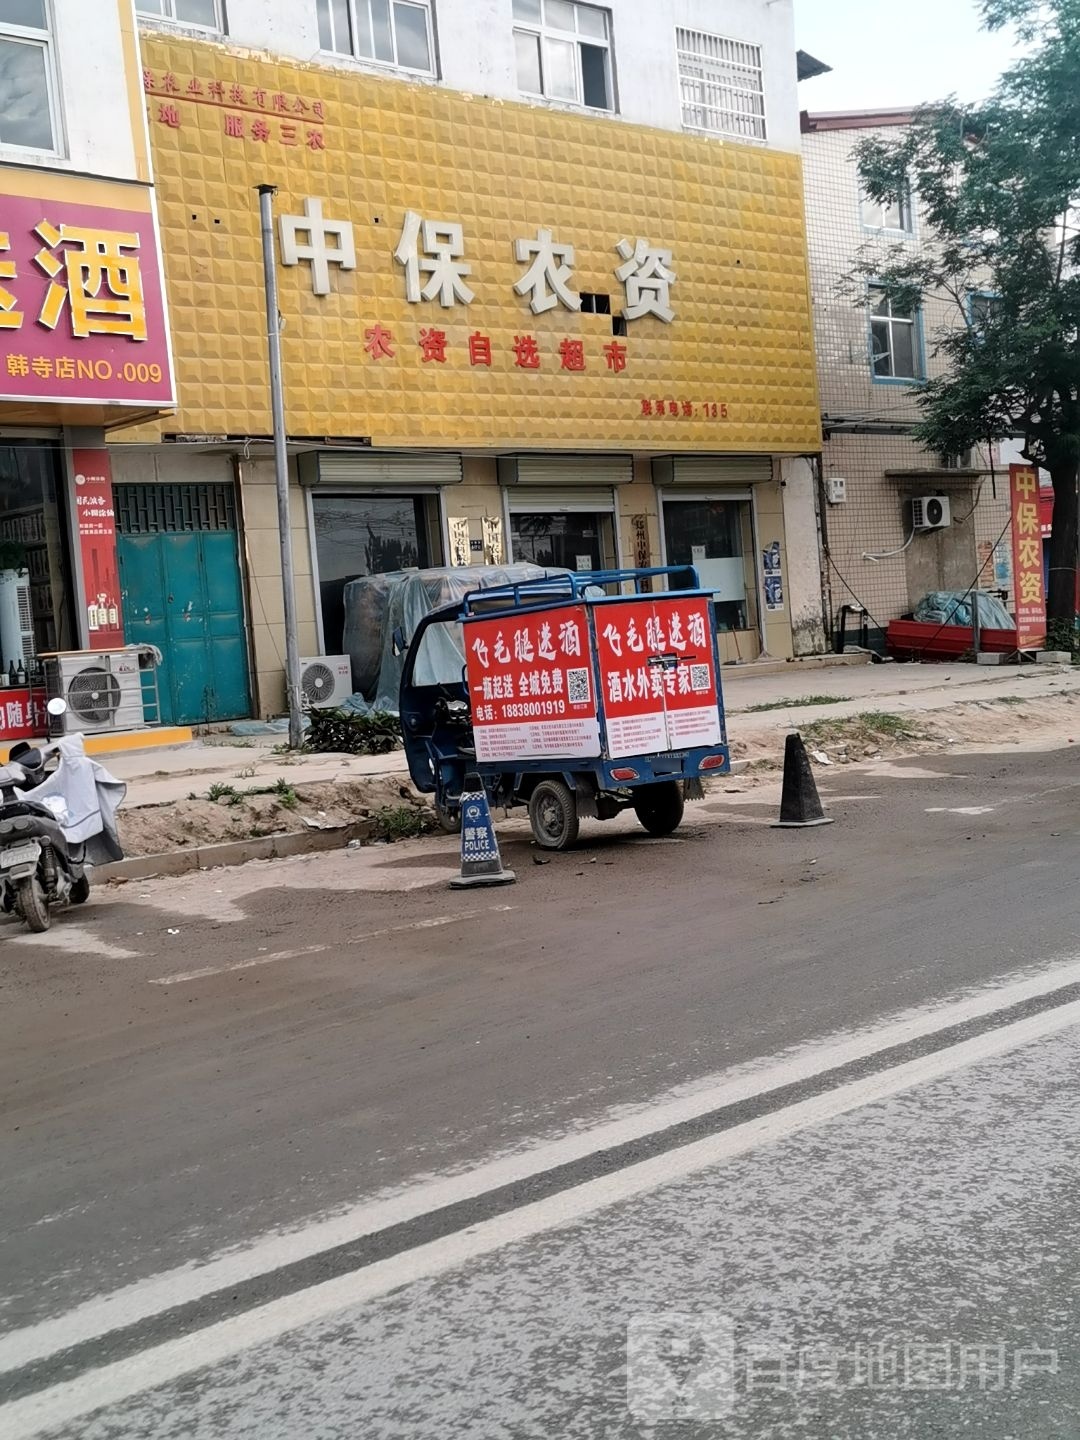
(800, 804)
(481, 863)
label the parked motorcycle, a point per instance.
(54, 827)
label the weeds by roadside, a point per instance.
(337, 732)
(403, 822)
(796, 704)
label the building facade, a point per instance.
(84, 341)
(871, 359)
(544, 295)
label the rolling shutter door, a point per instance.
(703, 472)
(416, 471)
(540, 499)
(574, 471)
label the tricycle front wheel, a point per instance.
(660, 807)
(553, 815)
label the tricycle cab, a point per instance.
(577, 694)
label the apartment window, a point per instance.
(896, 215)
(982, 310)
(564, 52)
(391, 32)
(27, 82)
(205, 14)
(894, 342)
(721, 85)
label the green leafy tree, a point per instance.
(999, 182)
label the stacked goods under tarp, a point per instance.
(376, 606)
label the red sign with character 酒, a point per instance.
(82, 308)
(531, 686)
(657, 674)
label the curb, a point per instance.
(235, 852)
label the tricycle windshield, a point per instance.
(440, 655)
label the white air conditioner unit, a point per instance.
(325, 681)
(931, 512)
(16, 619)
(103, 691)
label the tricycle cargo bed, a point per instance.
(571, 677)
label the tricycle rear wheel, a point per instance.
(660, 807)
(553, 815)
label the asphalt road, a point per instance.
(301, 1150)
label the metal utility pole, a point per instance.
(281, 466)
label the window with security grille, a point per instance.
(721, 85)
(173, 509)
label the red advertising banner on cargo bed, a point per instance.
(657, 674)
(530, 685)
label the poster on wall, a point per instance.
(1029, 596)
(95, 520)
(773, 576)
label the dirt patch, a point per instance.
(969, 725)
(240, 813)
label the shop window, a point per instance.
(717, 537)
(570, 540)
(721, 85)
(33, 537)
(894, 339)
(564, 52)
(203, 14)
(28, 89)
(358, 535)
(390, 32)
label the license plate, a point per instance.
(19, 855)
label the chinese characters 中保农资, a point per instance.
(432, 256)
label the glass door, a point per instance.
(717, 538)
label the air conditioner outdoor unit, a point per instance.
(325, 681)
(930, 512)
(16, 619)
(103, 690)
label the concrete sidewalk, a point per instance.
(165, 775)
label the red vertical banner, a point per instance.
(1029, 594)
(96, 522)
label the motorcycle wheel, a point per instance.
(80, 891)
(32, 905)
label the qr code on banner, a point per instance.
(699, 678)
(577, 686)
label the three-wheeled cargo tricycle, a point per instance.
(581, 694)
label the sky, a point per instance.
(891, 53)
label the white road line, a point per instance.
(115, 1383)
(272, 959)
(185, 1283)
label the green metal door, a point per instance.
(180, 579)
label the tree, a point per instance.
(999, 184)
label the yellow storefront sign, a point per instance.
(461, 272)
